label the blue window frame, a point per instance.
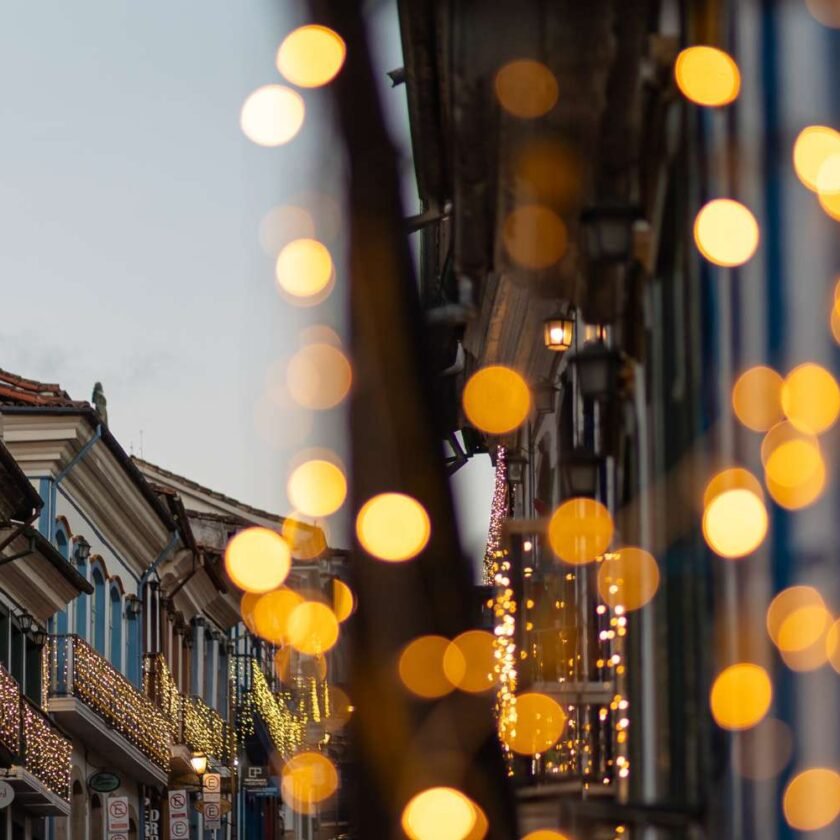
(61, 622)
(97, 613)
(132, 666)
(80, 625)
(115, 619)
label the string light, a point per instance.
(498, 513)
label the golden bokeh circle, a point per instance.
(726, 232)
(304, 268)
(246, 609)
(757, 398)
(393, 527)
(307, 778)
(257, 560)
(812, 147)
(534, 236)
(469, 661)
(312, 628)
(732, 478)
(421, 667)
(307, 542)
(340, 709)
(272, 115)
(741, 695)
(803, 627)
(707, 76)
(811, 800)
(545, 834)
(271, 614)
(787, 602)
(580, 530)
(538, 724)
(811, 398)
(318, 376)
(343, 600)
(628, 578)
(735, 523)
(317, 488)
(311, 56)
(496, 399)
(439, 813)
(526, 89)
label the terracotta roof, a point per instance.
(15, 390)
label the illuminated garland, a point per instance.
(504, 650)
(46, 754)
(99, 685)
(9, 711)
(498, 514)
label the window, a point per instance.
(115, 627)
(132, 666)
(32, 676)
(97, 612)
(61, 623)
(222, 680)
(17, 654)
(209, 661)
(81, 605)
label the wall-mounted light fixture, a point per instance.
(133, 605)
(198, 760)
(608, 229)
(597, 367)
(579, 472)
(558, 334)
(81, 551)
(39, 635)
(25, 621)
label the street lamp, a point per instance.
(608, 229)
(597, 366)
(198, 760)
(25, 621)
(580, 469)
(558, 334)
(82, 550)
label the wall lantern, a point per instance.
(597, 368)
(198, 760)
(82, 550)
(133, 605)
(25, 621)
(579, 471)
(558, 334)
(544, 397)
(39, 636)
(608, 229)
(516, 464)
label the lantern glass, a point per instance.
(558, 334)
(581, 469)
(82, 550)
(199, 763)
(25, 622)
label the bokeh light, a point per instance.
(343, 600)
(318, 376)
(311, 56)
(803, 627)
(307, 778)
(826, 12)
(707, 76)
(741, 695)
(393, 527)
(828, 185)
(421, 667)
(304, 270)
(307, 542)
(469, 661)
(341, 709)
(496, 399)
(272, 115)
(317, 488)
(439, 813)
(312, 628)
(628, 578)
(526, 89)
(481, 825)
(539, 723)
(246, 609)
(811, 398)
(734, 517)
(756, 398)
(812, 799)
(726, 232)
(549, 173)
(813, 146)
(580, 530)
(763, 751)
(832, 645)
(788, 602)
(801, 495)
(790, 456)
(545, 834)
(271, 614)
(257, 559)
(534, 236)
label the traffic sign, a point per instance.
(119, 836)
(118, 813)
(223, 806)
(7, 795)
(179, 828)
(178, 800)
(212, 786)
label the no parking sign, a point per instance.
(117, 814)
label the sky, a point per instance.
(130, 211)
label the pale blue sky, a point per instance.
(130, 205)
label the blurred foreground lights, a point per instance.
(312, 628)
(272, 115)
(341, 709)
(271, 613)
(469, 661)
(798, 623)
(317, 488)
(812, 148)
(812, 799)
(421, 667)
(534, 236)
(826, 12)
(306, 779)
(307, 542)
(304, 270)
(726, 232)
(828, 186)
(756, 398)
(525, 88)
(580, 530)
(741, 695)
(811, 398)
(734, 516)
(794, 469)
(538, 725)
(628, 578)
(311, 56)
(707, 76)
(257, 560)
(318, 376)
(393, 527)
(832, 645)
(439, 813)
(343, 600)
(763, 751)
(545, 834)
(246, 610)
(496, 400)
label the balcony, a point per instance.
(190, 720)
(37, 752)
(95, 702)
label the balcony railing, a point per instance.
(77, 670)
(34, 742)
(191, 721)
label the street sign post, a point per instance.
(211, 787)
(179, 823)
(118, 814)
